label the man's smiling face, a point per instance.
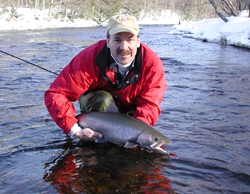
(123, 46)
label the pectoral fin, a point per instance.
(130, 145)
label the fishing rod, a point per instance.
(162, 58)
(28, 62)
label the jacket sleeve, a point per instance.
(75, 79)
(152, 92)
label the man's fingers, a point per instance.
(97, 135)
(89, 134)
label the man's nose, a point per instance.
(124, 45)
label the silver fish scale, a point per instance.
(115, 128)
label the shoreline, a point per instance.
(236, 32)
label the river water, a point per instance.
(205, 112)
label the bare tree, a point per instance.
(101, 10)
(132, 7)
(214, 4)
(225, 8)
(249, 10)
(192, 9)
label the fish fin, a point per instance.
(130, 145)
(101, 140)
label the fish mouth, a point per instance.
(157, 148)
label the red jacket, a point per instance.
(144, 90)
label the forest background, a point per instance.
(100, 11)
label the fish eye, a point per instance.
(156, 138)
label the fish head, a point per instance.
(153, 142)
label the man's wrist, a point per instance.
(74, 129)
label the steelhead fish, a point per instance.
(124, 130)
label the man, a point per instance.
(119, 70)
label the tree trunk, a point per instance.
(249, 10)
(217, 12)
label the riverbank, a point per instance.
(30, 19)
(235, 32)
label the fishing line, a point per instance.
(162, 58)
(28, 62)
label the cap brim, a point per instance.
(123, 29)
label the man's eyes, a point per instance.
(128, 40)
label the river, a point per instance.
(205, 112)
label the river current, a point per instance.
(205, 112)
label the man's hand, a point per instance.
(87, 134)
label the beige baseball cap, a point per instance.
(122, 23)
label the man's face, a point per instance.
(123, 46)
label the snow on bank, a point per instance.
(235, 32)
(29, 19)
(165, 18)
